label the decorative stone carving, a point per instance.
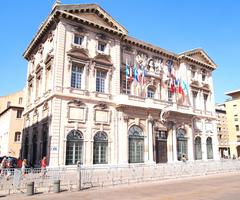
(125, 117)
(101, 36)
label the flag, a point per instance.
(143, 76)
(127, 70)
(130, 73)
(180, 90)
(184, 88)
(139, 75)
(135, 73)
(172, 88)
(170, 66)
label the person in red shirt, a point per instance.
(44, 165)
(19, 163)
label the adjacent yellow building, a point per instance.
(233, 113)
(11, 124)
(222, 130)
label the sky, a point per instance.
(175, 25)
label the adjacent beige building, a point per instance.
(233, 113)
(222, 129)
(11, 124)
(96, 95)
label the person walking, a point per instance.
(24, 166)
(3, 165)
(19, 163)
(44, 166)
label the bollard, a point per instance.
(30, 189)
(56, 186)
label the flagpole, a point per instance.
(126, 75)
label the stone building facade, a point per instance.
(96, 95)
(222, 129)
(11, 124)
(232, 109)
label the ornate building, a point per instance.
(99, 96)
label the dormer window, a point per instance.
(102, 46)
(78, 39)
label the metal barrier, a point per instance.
(64, 178)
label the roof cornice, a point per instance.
(56, 13)
(197, 62)
(149, 47)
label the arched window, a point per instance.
(182, 144)
(198, 148)
(136, 145)
(100, 147)
(209, 148)
(74, 150)
(151, 92)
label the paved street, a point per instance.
(219, 187)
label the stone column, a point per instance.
(150, 139)
(123, 139)
(190, 143)
(203, 140)
(174, 139)
(216, 155)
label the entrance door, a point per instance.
(161, 151)
(238, 151)
(161, 147)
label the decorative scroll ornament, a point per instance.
(164, 114)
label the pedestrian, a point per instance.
(19, 163)
(44, 166)
(9, 167)
(24, 166)
(3, 165)
(184, 159)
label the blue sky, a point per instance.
(171, 24)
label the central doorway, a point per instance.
(161, 147)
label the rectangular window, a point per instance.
(20, 100)
(150, 92)
(101, 46)
(8, 104)
(38, 87)
(194, 96)
(76, 77)
(205, 97)
(48, 78)
(237, 127)
(203, 75)
(235, 118)
(100, 81)
(193, 74)
(17, 137)
(238, 138)
(78, 39)
(125, 86)
(19, 113)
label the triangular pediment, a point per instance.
(78, 53)
(103, 59)
(94, 14)
(201, 56)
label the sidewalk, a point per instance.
(220, 187)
